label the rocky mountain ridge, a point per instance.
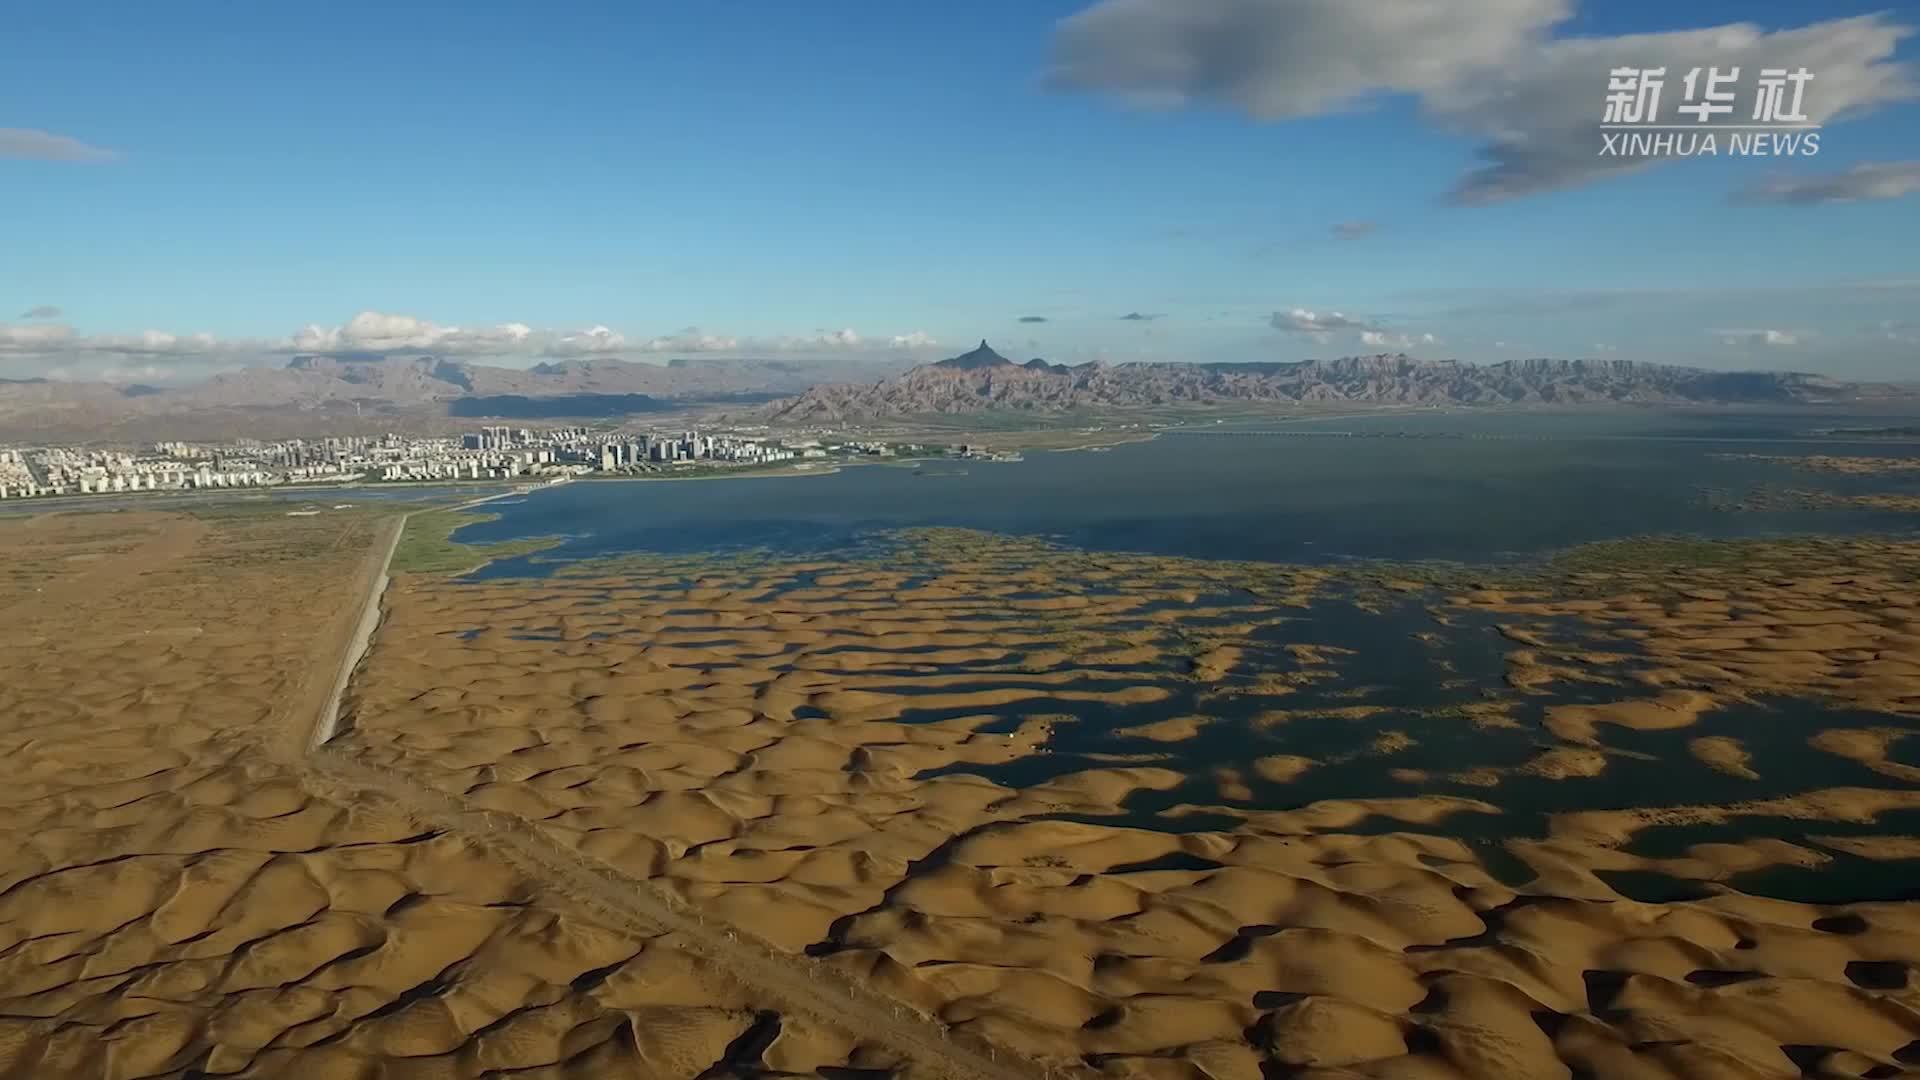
(314, 393)
(983, 379)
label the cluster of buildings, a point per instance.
(491, 453)
(648, 452)
(80, 471)
(248, 463)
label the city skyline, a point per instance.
(214, 188)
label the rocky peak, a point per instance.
(982, 357)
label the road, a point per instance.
(328, 720)
(795, 985)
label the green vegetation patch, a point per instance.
(1656, 553)
(428, 546)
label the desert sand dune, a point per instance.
(180, 898)
(816, 752)
(568, 818)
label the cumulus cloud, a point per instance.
(1542, 133)
(55, 350)
(1303, 321)
(1321, 326)
(32, 145)
(690, 340)
(156, 343)
(44, 311)
(377, 333)
(58, 338)
(1033, 318)
(1775, 338)
(1863, 182)
(593, 341)
(1381, 339)
(32, 338)
(51, 347)
(1491, 70)
(372, 333)
(1353, 230)
(1287, 59)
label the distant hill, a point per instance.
(984, 380)
(312, 394)
(980, 359)
(335, 394)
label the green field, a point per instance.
(428, 547)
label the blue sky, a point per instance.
(647, 180)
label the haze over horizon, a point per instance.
(214, 187)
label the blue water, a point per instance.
(1447, 486)
(1451, 486)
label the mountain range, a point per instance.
(322, 394)
(331, 394)
(983, 379)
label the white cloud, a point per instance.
(1863, 182)
(156, 343)
(593, 341)
(44, 347)
(845, 340)
(50, 338)
(33, 338)
(690, 340)
(56, 351)
(842, 339)
(1304, 321)
(372, 332)
(1488, 69)
(1775, 338)
(34, 145)
(1283, 59)
(379, 332)
(1382, 339)
(1320, 326)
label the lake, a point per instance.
(1467, 487)
(1430, 485)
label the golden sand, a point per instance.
(779, 750)
(178, 896)
(1831, 463)
(749, 739)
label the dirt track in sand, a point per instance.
(821, 992)
(328, 718)
(175, 901)
(824, 993)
